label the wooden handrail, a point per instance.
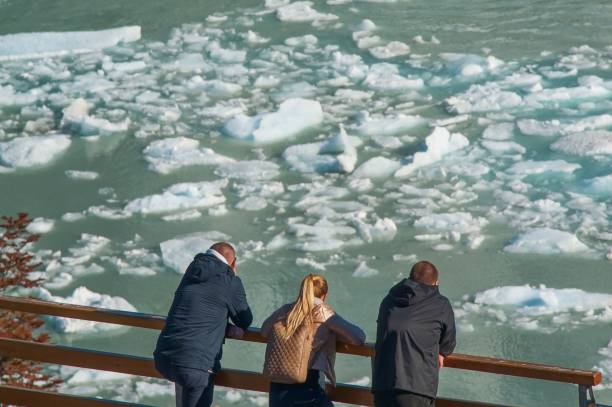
(238, 379)
(458, 361)
(37, 398)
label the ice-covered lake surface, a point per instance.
(348, 138)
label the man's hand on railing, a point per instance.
(233, 332)
(440, 361)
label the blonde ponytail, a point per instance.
(313, 286)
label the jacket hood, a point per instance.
(204, 266)
(409, 292)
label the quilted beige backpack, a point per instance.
(287, 360)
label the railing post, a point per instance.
(586, 398)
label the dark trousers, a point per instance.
(401, 399)
(194, 387)
(308, 394)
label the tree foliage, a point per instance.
(18, 269)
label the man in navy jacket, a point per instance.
(416, 331)
(188, 349)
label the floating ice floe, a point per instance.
(538, 307)
(324, 235)
(483, 98)
(338, 154)
(83, 296)
(546, 241)
(252, 170)
(467, 66)
(498, 131)
(41, 225)
(605, 366)
(77, 117)
(292, 117)
(600, 185)
(457, 222)
(47, 44)
(381, 231)
(82, 175)
(302, 11)
(526, 168)
(439, 143)
(377, 168)
(33, 151)
(177, 253)
(364, 271)
(385, 78)
(388, 125)
(167, 155)
(585, 144)
(10, 98)
(182, 196)
(391, 50)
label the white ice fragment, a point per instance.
(377, 168)
(181, 216)
(40, 225)
(461, 222)
(248, 170)
(585, 144)
(25, 152)
(391, 125)
(302, 11)
(499, 131)
(83, 296)
(483, 98)
(364, 271)
(546, 241)
(292, 117)
(382, 231)
(504, 147)
(167, 155)
(467, 65)
(439, 143)
(182, 196)
(543, 300)
(530, 167)
(600, 185)
(46, 44)
(386, 78)
(252, 203)
(178, 252)
(391, 50)
(82, 175)
(76, 116)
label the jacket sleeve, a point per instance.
(239, 310)
(345, 331)
(448, 338)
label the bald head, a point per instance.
(425, 273)
(226, 250)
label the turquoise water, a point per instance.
(512, 63)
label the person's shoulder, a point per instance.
(323, 312)
(445, 302)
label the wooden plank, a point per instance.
(458, 361)
(37, 398)
(237, 379)
(134, 319)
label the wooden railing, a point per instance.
(245, 380)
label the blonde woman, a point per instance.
(329, 327)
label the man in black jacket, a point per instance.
(416, 331)
(188, 349)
